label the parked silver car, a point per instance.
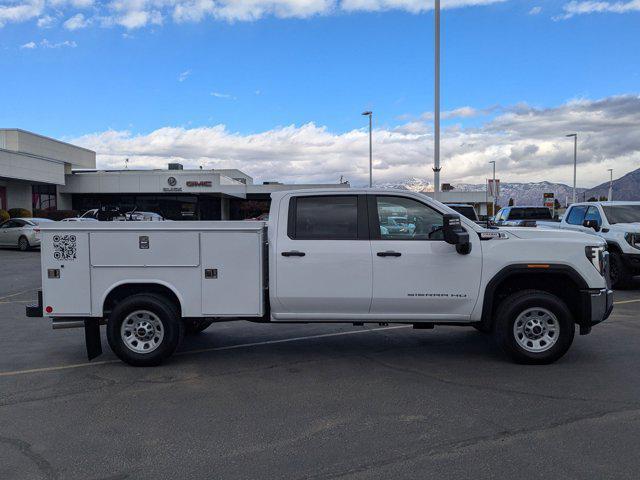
(21, 232)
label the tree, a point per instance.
(603, 198)
(592, 199)
(511, 202)
(556, 204)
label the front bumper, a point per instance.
(631, 261)
(598, 306)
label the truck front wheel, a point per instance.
(620, 276)
(534, 327)
(144, 329)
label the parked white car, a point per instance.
(323, 256)
(23, 233)
(79, 219)
(618, 223)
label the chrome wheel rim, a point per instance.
(142, 331)
(536, 330)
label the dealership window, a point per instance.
(43, 197)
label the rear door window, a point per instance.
(330, 217)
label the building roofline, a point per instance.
(46, 138)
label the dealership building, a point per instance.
(39, 173)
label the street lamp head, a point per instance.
(492, 161)
(572, 135)
(367, 113)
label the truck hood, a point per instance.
(552, 235)
(626, 227)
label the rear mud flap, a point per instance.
(92, 337)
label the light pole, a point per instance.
(436, 105)
(575, 161)
(610, 184)
(370, 115)
(493, 190)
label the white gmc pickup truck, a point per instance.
(618, 224)
(350, 256)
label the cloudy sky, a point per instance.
(276, 87)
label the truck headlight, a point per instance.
(633, 239)
(599, 258)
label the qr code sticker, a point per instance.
(64, 247)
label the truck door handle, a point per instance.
(389, 253)
(293, 253)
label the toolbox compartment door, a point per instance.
(66, 254)
(144, 248)
(232, 273)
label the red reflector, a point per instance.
(49, 309)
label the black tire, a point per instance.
(517, 304)
(620, 276)
(194, 326)
(23, 244)
(168, 317)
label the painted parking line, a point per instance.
(18, 293)
(202, 350)
(627, 301)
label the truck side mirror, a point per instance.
(591, 224)
(454, 234)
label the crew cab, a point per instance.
(618, 224)
(323, 256)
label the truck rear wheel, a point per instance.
(534, 327)
(144, 329)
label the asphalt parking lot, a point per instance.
(246, 401)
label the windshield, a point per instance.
(542, 213)
(466, 210)
(622, 213)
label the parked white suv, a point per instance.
(324, 256)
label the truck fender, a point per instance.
(488, 305)
(141, 281)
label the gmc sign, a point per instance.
(202, 183)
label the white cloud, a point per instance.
(20, 11)
(47, 44)
(223, 95)
(413, 6)
(76, 22)
(535, 11)
(46, 21)
(134, 14)
(184, 75)
(528, 144)
(586, 7)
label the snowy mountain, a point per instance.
(522, 193)
(624, 188)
